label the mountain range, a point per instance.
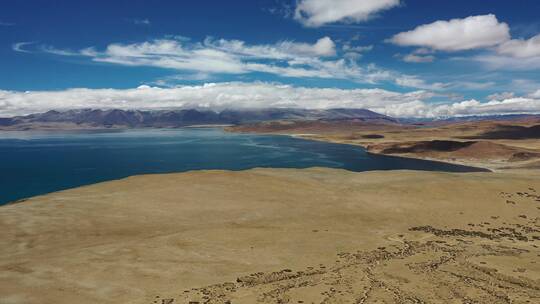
(95, 118)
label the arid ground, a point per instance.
(491, 144)
(278, 236)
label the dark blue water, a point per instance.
(33, 163)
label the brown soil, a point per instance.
(278, 236)
(446, 149)
(512, 132)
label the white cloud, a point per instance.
(421, 55)
(355, 52)
(360, 49)
(53, 50)
(3, 23)
(423, 51)
(415, 82)
(474, 32)
(494, 61)
(501, 96)
(220, 56)
(521, 48)
(517, 105)
(471, 85)
(324, 47)
(214, 56)
(418, 58)
(19, 46)
(141, 21)
(457, 34)
(171, 54)
(535, 94)
(217, 96)
(513, 55)
(315, 13)
(212, 96)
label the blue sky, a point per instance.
(447, 55)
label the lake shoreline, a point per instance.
(477, 144)
(474, 165)
(228, 128)
(77, 158)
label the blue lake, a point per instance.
(33, 163)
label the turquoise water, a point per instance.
(33, 163)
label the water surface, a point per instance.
(33, 163)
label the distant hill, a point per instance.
(473, 118)
(93, 118)
(510, 132)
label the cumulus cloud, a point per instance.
(516, 105)
(238, 95)
(484, 32)
(315, 13)
(515, 54)
(521, 48)
(212, 96)
(535, 94)
(457, 34)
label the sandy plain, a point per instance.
(278, 236)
